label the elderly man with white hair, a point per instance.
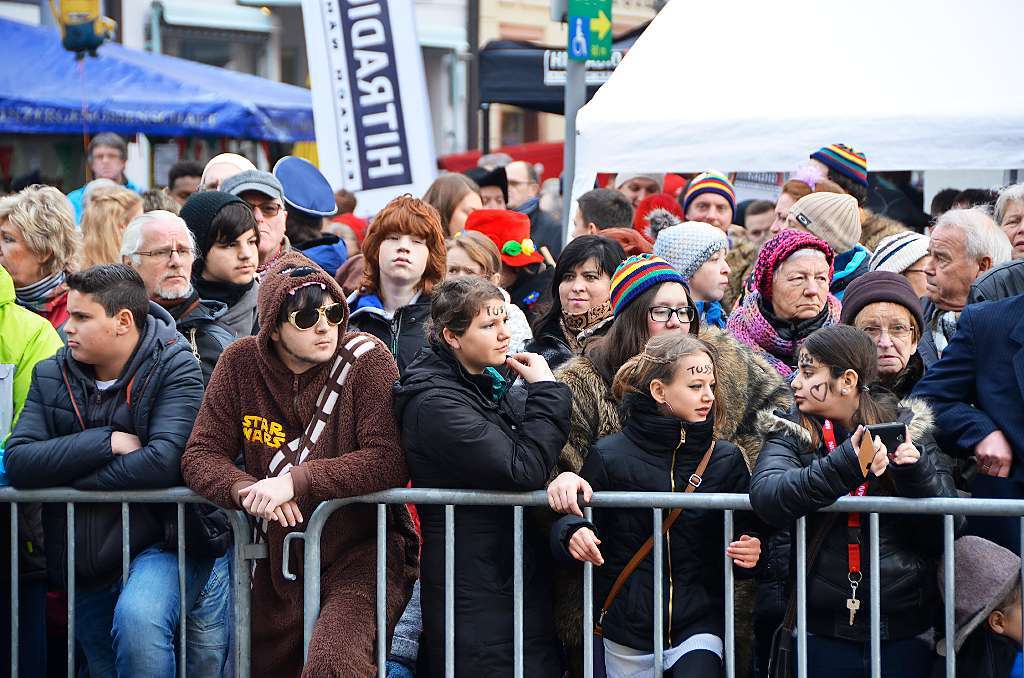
(964, 244)
(161, 248)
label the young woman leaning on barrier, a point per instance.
(649, 298)
(670, 404)
(820, 451)
(463, 428)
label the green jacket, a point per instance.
(25, 339)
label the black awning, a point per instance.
(531, 76)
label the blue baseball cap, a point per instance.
(305, 188)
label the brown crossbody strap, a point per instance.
(691, 484)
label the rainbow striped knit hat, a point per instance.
(636, 275)
(849, 162)
(710, 182)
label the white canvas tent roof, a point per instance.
(752, 85)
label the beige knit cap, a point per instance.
(833, 217)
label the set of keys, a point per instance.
(852, 604)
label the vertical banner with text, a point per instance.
(370, 107)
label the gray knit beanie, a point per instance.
(986, 573)
(833, 217)
(687, 246)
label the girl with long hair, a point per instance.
(669, 399)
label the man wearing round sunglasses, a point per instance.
(310, 406)
(263, 193)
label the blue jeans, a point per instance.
(836, 658)
(130, 629)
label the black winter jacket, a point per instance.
(456, 436)
(156, 398)
(792, 480)
(551, 344)
(205, 335)
(655, 453)
(403, 334)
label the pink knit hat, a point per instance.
(779, 248)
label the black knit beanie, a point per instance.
(199, 211)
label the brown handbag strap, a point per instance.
(692, 484)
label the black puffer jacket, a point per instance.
(456, 436)
(654, 453)
(156, 398)
(792, 480)
(205, 335)
(403, 334)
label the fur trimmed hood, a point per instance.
(914, 412)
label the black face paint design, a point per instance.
(805, 361)
(819, 391)
(495, 311)
(706, 368)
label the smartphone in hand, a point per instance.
(893, 434)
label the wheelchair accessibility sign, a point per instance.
(590, 29)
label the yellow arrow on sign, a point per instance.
(602, 24)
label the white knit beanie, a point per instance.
(623, 177)
(833, 217)
(688, 246)
(896, 253)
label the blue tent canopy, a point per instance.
(44, 91)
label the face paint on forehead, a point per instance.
(805, 361)
(495, 310)
(706, 368)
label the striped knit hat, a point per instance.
(636, 275)
(849, 162)
(710, 182)
(779, 248)
(896, 253)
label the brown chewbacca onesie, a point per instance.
(336, 441)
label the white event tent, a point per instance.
(753, 85)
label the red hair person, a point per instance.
(404, 257)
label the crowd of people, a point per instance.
(243, 333)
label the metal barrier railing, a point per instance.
(728, 503)
(245, 550)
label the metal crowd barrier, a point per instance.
(245, 550)
(728, 503)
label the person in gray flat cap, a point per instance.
(988, 610)
(263, 193)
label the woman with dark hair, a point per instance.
(581, 299)
(462, 427)
(649, 299)
(224, 269)
(820, 451)
(403, 258)
(455, 197)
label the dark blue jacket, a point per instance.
(157, 398)
(978, 384)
